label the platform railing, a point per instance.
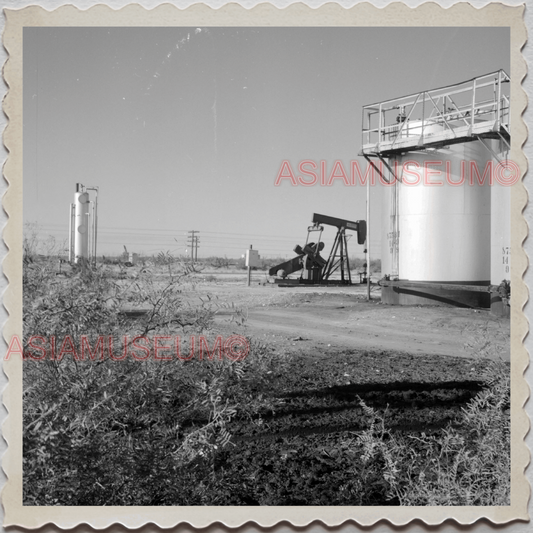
(456, 111)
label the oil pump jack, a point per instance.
(316, 269)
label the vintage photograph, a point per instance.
(267, 266)
(210, 315)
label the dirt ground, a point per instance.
(325, 368)
(296, 319)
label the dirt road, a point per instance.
(331, 318)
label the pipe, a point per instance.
(95, 220)
(368, 239)
(71, 209)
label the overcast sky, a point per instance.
(187, 128)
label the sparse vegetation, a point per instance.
(468, 463)
(255, 431)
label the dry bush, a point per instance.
(469, 463)
(101, 431)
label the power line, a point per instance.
(215, 242)
(153, 231)
(209, 239)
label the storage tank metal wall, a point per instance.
(442, 231)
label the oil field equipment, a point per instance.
(83, 225)
(446, 220)
(315, 269)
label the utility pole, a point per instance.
(193, 241)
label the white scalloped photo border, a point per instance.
(365, 14)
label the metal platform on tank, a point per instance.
(468, 111)
(487, 129)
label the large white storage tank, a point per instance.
(446, 225)
(437, 224)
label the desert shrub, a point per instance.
(163, 258)
(97, 430)
(121, 432)
(131, 432)
(79, 304)
(358, 263)
(107, 260)
(265, 263)
(30, 242)
(101, 431)
(167, 259)
(218, 262)
(466, 464)
(36, 247)
(375, 265)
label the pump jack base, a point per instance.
(280, 282)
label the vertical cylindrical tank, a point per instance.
(81, 224)
(437, 223)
